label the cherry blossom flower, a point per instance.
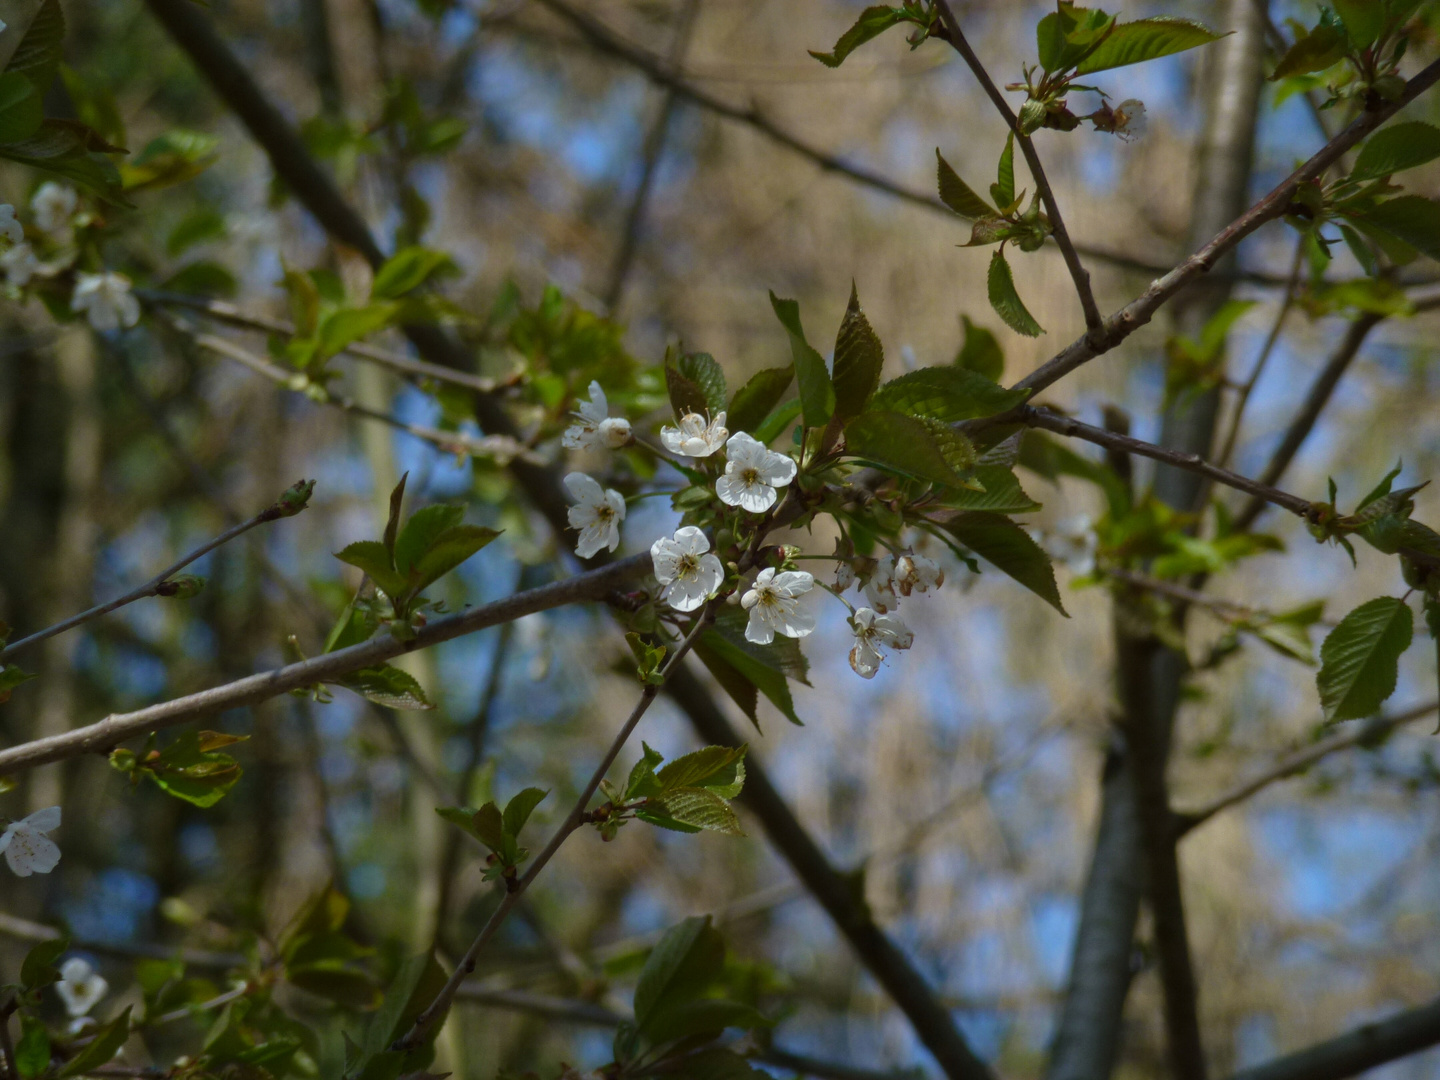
(874, 632)
(774, 605)
(596, 428)
(19, 265)
(683, 566)
(10, 229)
(752, 473)
(695, 437)
(844, 576)
(80, 986)
(917, 573)
(27, 849)
(106, 300)
(53, 206)
(879, 587)
(1073, 543)
(1131, 122)
(597, 515)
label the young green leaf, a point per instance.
(388, 686)
(1397, 148)
(1145, 39)
(947, 394)
(873, 22)
(859, 356)
(1321, 48)
(32, 1052)
(417, 983)
(699, 808)
(956, 194)
(817, 392)
(1003, 190)
(916, 446)
(1364, 20)
(1006, 301)
(407, 270)
(519, 809)
(1360, 658)
(765, 677)
(981, 352)
(699, 768)
(343, 328)
(679, 969)
(757, 398)
(778, 422)
(1002, 495)
(1010, 549)
(703, 370)
(641, 783)
(422, 530)
(38, 970)
(1412, 219)
(449, 550)
(103, 1046)
(373, 558)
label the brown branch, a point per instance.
(431, 1015)
(103, 736)
(154, 586)
(1078, 273)
(1064, 425)
(1142, 309)
(1370, 733)
(1369, 1045)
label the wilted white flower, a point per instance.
(683, 567)
(844, 576)
(19, 264)
(106, 300)
(879, 587)
(1130, 120)
(53, 206)
(596, 428)
(1073, 543)
(80, 986)
(874, 632)
(752, 473)
(695, 437)
(597, 515)
(774, 605)
(917, 573)
(10, 229)
(27, 849)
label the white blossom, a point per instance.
(597, 515)
(27, 849)
(19, 265)
(874, 632)
(879, 587)
(844, 576)
(10, 229)
(106, 300)
(1073, 543)
(752, 473)
(80, 986)
(695, 437)
(596, 428)
(774, 605)
(53, 206)
(1131, 122)
(683, 566)
(917, 573)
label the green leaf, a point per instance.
(769, 680)
(782, 655)
(449, 550)
(372, 557)
(859, 356)
(32, 1052)
(388, 686)
(757, 398)
(700, 808)
(679, 969)
(686, 395)
(418, 982)
(343, 328)
(1411, 219)
(171, 158)
(1359, 660)
(11, 676)
(916, 446)
(704, 1019)
(20, 108)
(873, 22)
(488, 826)
(1006, 301)
(1397, 148)
(1002, 495)
(956, 194)
(1145, 39)
(981, 352)
(1010, 549)
(642, 783)
(1066, 36)
(699, 768)
(703, 370)
(817, 393)
(947, 394)
(38, 970)
(102, 1046)
(1323, 47)
(37, 57)
(1364, 20)
(421, 532)
(1003, 190)
(740, 689)
(778, 422)
(519, 809)
(407, 270)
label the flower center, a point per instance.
(604, 512)
(749, 477)
(688, 566)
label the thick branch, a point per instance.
(1364, 1048)
(1078, 273)
(103, 736)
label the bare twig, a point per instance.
(1351, 1054)
(155, 586)
(104, 735)
(1078, 273)
(432, 1013)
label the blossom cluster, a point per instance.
(103, 297)
(690, 574)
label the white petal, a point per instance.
(584, 488)
(731, 490)
(711, 574)
(46, 820)
(795, 582)
(614, 432)
(864, 659)
(30, 853)
(684, 594)
(691, 540)
(757, 498)
(673, 440)
(796, 623)
(777, 470)
(757, 630)
(616, 502)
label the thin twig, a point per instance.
(25, 930)
(1093, 319)
(432, 1013)
(152, 587)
